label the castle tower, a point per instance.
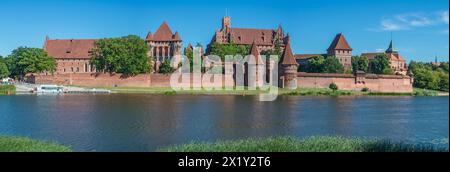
(255, 69)
(288, 68)
(226, 23)
(340, 49)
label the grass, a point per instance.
(313, 144)
(7, 89)
(244, 91)
(16, 144)
(425, 92)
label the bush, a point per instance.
(333, 87)
(365, 89)
(166, 67)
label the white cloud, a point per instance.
(412, 20)
(379, 50)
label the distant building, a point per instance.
(71, 55)
(265, 39)
(339, 48)
(398, 63)
(164, 45)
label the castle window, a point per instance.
(240, 38)
(262, 38)
(78, 69)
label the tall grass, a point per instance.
(7, 89)
(15, 144)
(313, 144)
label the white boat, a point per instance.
(50, 89)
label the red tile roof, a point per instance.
(288, 56)
(70, 48)
(250, 36)
(164, 34)
(391, 56)
(307, 56)
(340, 43)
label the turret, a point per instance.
(288, 67)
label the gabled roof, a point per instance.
(255, 52)
(288, 56)
(340, 43)
(69, 48)
(165, 34)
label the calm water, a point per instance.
(127, 122)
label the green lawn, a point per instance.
(16, 144)
(313, 144)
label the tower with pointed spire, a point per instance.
(164, 45)
(254, 69)
(391, 48)
(288, 68)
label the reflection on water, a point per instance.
(132, 122)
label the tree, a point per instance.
(360, 63)
(4, 72)
(166, 67)
(381, 65)
(316, 64)
(333, 87)
(126, 55)
(332, 65)
(25, 60)
(430, 76)
(223, 50)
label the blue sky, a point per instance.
(420, 27)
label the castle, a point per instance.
(73, 57)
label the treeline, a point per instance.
(24, 60)
(320, 64)
(430, 76)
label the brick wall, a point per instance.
(117, 80)
(375, 83)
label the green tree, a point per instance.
(333, 87)
(126, 55)
(360, 63)
(381, 65)
(316, 64)
(223, 50)
(4, 71)
(332, 65)
(25, 60)
(166, 67)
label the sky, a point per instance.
(419, 28)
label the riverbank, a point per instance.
(7, 89)
(16, 144)
(313, 144)
(286, 92)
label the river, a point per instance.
(143, 122)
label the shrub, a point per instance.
(365, 89)
(333, 87)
